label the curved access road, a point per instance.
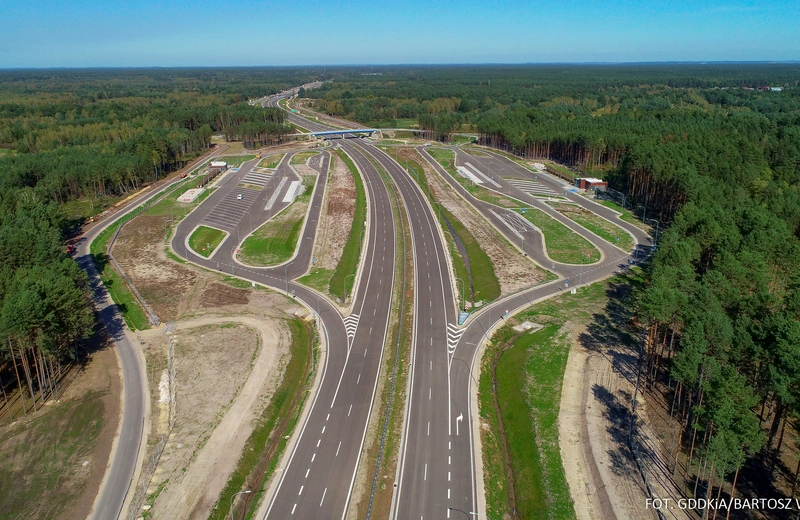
(318, 479)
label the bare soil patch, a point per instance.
(226, 371)
(54, 460)
(163, 283)
(336, 217)
(593, 426)
(221, 295)
(513, 270)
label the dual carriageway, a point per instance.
(436, 473)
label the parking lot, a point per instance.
(231, 209)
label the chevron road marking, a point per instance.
(350, 325)
(453, 337)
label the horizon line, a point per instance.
(443, 64)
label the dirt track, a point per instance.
(193, 488)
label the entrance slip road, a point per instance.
(118, 478)
(437, 467)
(318, 480)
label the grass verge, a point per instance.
(271, 161)
(204, 240)
(318, 278)
(236, 160)
(447, 159)
(341, 281)
(484, 281)
(397, 354)
(522, 465)
(128, 306)
(276, 241)
(625, 214)
(263, 449)
(563, 244)
(596, 224)
(300, 158)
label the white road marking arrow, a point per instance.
(458, 420)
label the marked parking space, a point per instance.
(231, 209)
(533, 187)
(256, 178)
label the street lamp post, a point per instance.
(657, 222)
(286, 275)
(344, 293)
(230, 502)
(251, 220)
(463, 303)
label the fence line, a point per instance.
(147, 472)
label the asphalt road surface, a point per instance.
(123, 460)
(318, 480)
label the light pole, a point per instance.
(251, 220)
(230, 502)
(344, 293)
(463, 303)
(286, 275)
(657, 222)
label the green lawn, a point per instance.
(318, 278)
(596, 224)
(484, 280)
(204, 240)
(351, 253)
(447, 159)
(300, 158)
(128, 305)
(529, 378)
(276, 241)
(273, 429)
(271, 161)
(625, 214)
(563, 245)
(236, 160)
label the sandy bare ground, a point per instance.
(513, 270)
(230, 342)
(193, 487)
(338, 208)
(603, 479)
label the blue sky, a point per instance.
(136, 33)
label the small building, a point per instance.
(590, 183)
(219, 165)
(763, 88)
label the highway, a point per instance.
(123, 460)
(436, 471)
(437, 467)
(318, 479)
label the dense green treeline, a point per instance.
(104, 132)
(718, 166)
(44, 307)
(92, 134)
